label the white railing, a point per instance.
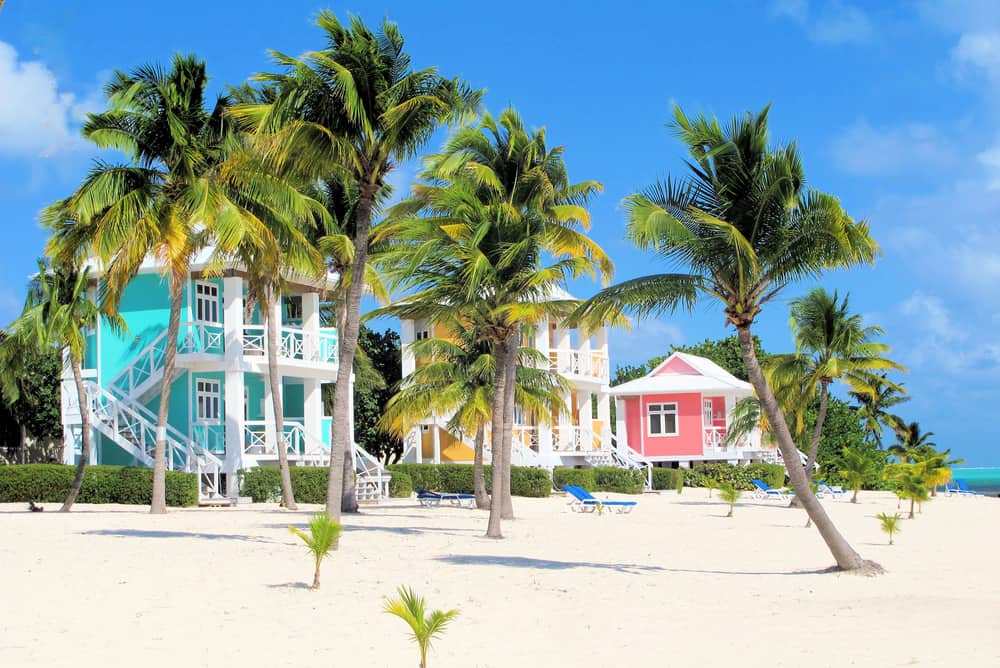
(575, 439)
(293, 343)
(201, 337)
(526, 436)
(579, 363)
(256, 442)
(625, 457)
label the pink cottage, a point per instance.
(678, 414)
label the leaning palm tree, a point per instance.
(742, 226)
(457, 381)
(831, 344)
(424, 626)
(354, 109)
(176, 195)
(57, 312)
(471, 242)
(874, 404)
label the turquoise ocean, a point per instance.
(984, 479)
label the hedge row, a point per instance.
(737, 476)
(400, 485)
(263, 483)
(50, 483)
(457, 478)
(667, 478)
(601, 479)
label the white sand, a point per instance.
(674, 583)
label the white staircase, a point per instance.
(142, 377)
(626, 458)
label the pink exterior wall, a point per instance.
(677, 366)
(689, 438)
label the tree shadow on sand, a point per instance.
(630, 569)
(156, 533)
(403, 531)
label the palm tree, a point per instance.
(744, 226)
(321, 539)
(56, 315)
(831, 344)
(425, 627)
(457, 380)
(355, 110)
(913, 444)
(890, 524)
(912, 482)
(874, 404)
(730, 495)
(856, 470)
(471, 242)
(176, 195)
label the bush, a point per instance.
(457, 478)
(772, 474)
(50, 483)
(737, 476)
(667, 478)
(580, 477)
(263, 483)
(623, 481)
(400, 485)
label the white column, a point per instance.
(583, 347)
(313, 409)
(419, 452)
(310, 324)
(406, 336)
(437, 442)
(602, 348)
(621, 435)
(233, 395)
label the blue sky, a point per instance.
(894, 107)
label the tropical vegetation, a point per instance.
(425, 626)
(324, 533)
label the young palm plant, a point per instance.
(424, 626)
(324, 533)
(857, 469)
(56, 315)
(831, 344)
(890, 524)
(471, 242)
(354, 110)
(912, 482)
(742, 226)
(176, 195)
(730, 495)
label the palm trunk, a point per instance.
(348, 343)
(496, 441)
(158, 503)
(911, 508)
(349, 497)
(847, 559)
(824, 397)
(854, 499)
(315, 584)
(81, 393)
(507, 504)
(274, 378)
(478, 479)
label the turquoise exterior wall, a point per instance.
(145, 307)
(294, 407)
(255, 396)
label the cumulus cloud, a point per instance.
(37, 119)
(647, 339)
(832, 22)
(935, 338)
(867, 150)
(978, 52)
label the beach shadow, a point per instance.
(631, 569)
(402, 531)
(150, 533)
(289, 585)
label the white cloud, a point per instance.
(648, 339)
(978, 51)
(863, 149)
(833, 22)
(990, 159)
(37, 118)
(935, 339)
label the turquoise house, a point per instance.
(220, 414)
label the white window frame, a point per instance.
(708, 412)
(662, 410)
(206, 294)
(208, 396)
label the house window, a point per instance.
(293, 309)
(207, 400)
(662, 419)
(206, 302)
(706, 410)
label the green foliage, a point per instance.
(50, 483)
(890, 524)
(37, 407)
(400, 485)
(323, 536)
(383, 353)
(842, 429)
(263, 483)
(562, 476)
(857, 468)
(457, 478)
(664, 478)
(622, 481)
(425, 627)
(737, 476)
(730, 495)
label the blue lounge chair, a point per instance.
(836, 491)
(764, 491)
(964, 490)
(434, 499)
(585, 502)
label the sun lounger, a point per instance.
(764, 491)
(836, 491)
(428, 498)
(585, 502)
(963, 489)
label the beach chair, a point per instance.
(963, 489)
(950, 488)
(585, 502)
(836, 491)
(764, 491)
(433, 499)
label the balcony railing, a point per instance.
(575, 439)
(579, 363)
(296, 344)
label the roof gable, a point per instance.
(682, 372)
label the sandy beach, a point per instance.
(674, 583)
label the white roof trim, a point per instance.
(710, 377)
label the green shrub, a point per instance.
(737, 476)
(526, 481)
(457, 478)
(667, 478)
(263, 483)
(424, 476)
(772, 474)
(400, 485)
(584, 478)
(50, 483)
(623, 481)
(309, 483)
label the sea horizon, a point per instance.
(985, 479)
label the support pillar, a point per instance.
(234, 400)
